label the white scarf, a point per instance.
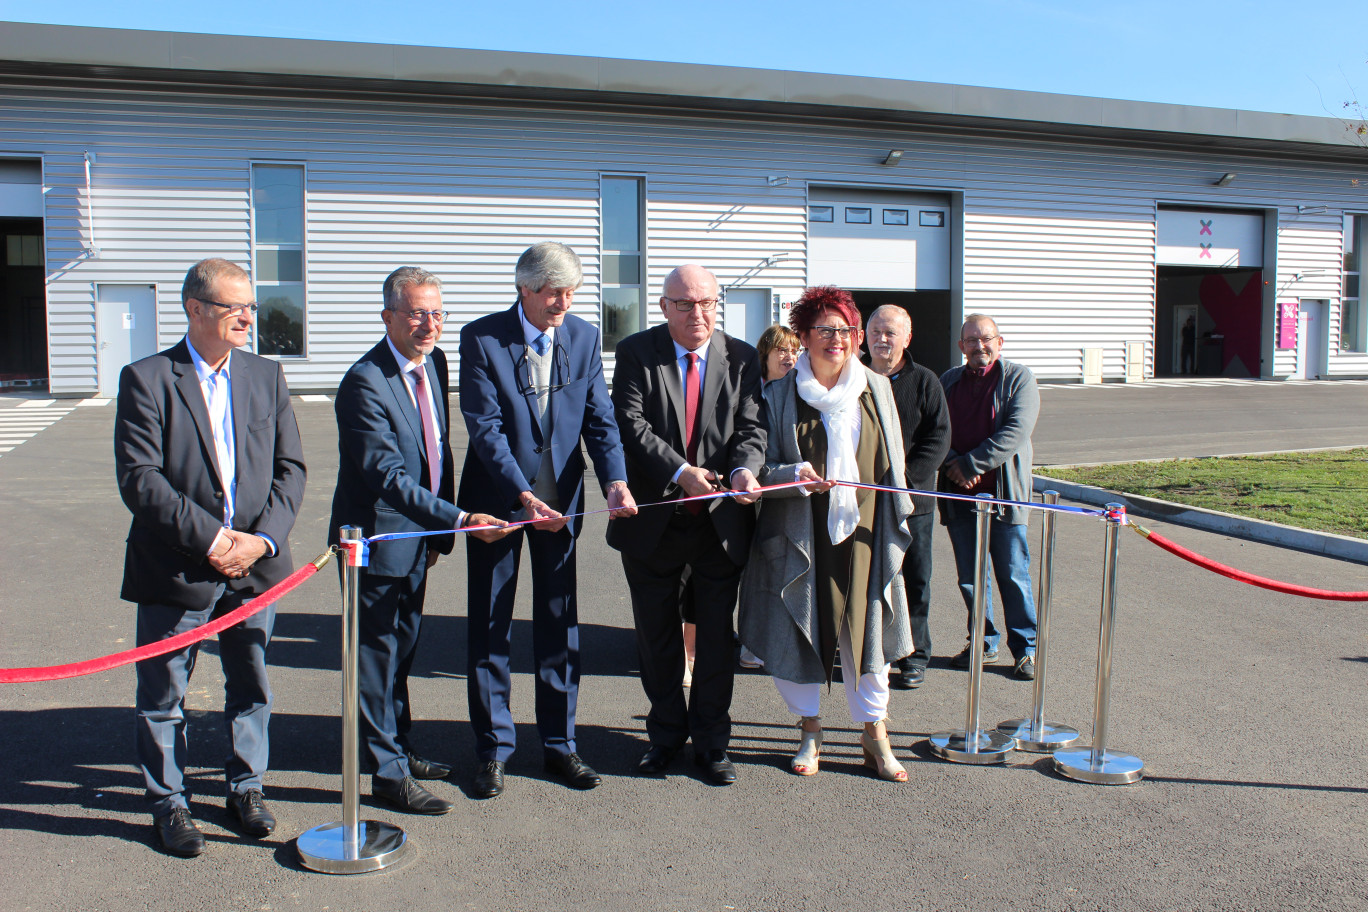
(840, 409)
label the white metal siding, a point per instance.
(1058, 238)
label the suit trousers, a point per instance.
(916, 571)
(163, 681)
(689, 541)
(391, 615)
(493, 587)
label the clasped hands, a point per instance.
(235, 552)
(957, 475)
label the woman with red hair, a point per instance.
(824, 570)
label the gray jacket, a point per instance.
(778, 616)
(1008, 448)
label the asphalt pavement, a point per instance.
(1244, 705)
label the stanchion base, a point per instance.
(992, 747)
(325, 849)
(1114, 768)
(1051, 737)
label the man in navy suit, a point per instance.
(395, 473)
(532, 389)
(208, 460)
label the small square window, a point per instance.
(859, 216)
(821, 214)
(931, 218)
(895, 216)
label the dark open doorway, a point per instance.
(931, 331)
(23, 310)
(1223, 339)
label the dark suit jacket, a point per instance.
(500, 409)
(167, 469)
(382, 463)
(648, 394)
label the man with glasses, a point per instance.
(993, 406)
(532, 390)
(688, 403)
(208, 460)
(926, 438)
(395, 473)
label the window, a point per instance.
(1353, 325)
(622, 241)
(278, 258)
(858, 215)
(895, 216)
(821, 214)
(931, 218)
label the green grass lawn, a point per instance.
(1327, 492)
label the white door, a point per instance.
(748, 313)
(126, 329)
(1312, 339)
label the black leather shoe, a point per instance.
(656, 760)
(427, 769)
(717, 769)
(250, 810)
(489, 781)
(575, 772)
(408, 796)
(178, 833)
(909, 677)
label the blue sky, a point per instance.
(1286, 56)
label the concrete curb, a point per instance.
(1343, 547)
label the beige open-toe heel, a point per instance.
(810, 748)
(878, 753)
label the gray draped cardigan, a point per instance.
(778, 616)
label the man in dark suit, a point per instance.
(687, 400)
(395, 473)
(208, 460)
(532, 389)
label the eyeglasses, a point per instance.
(826, 333)
(707, 305)
(417, 317)
(527, 381)
(979, 340)
(791, 352)
(233, 309)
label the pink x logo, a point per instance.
(1206, 226)
(1206, 251)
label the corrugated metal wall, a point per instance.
(1058, 238)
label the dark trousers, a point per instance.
(689, 541)
(493, 588)
(160, 699)
(916, 571)
(391, 615)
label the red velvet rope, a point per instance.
(1242, 576)
(162, 647)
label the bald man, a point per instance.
(687, 399)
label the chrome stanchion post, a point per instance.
(1096, 764)
(1035, 734)
(351, 846)
(972, 744)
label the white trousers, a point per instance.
(866, 694)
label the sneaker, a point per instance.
(1025, 668)
(750, 659)
(990, 656)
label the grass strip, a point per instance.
(1324, 492)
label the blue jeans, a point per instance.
(1011, 559)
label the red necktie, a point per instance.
(691, 434)
(429, 421)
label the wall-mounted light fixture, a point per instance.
(1225, 180)
(777, 180)
(1311, 210)
(893, 157)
